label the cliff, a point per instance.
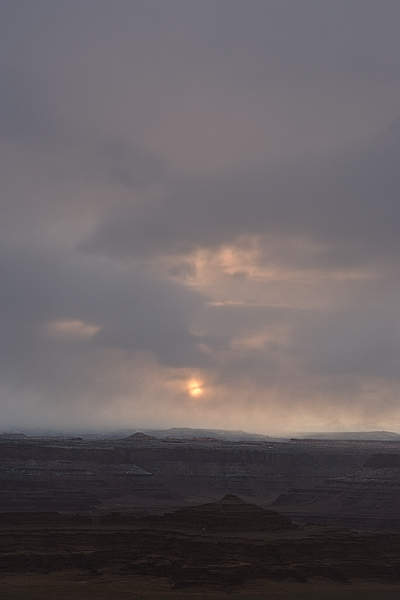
(367, 498)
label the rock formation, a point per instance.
(149, 476)
(366, 499)
(229, 514)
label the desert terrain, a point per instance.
(198, 517)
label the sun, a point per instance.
(195, 388)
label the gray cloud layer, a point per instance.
(200, 192)
(351, 199)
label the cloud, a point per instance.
(349, 202)
(199, 192)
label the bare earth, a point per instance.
(77, 585)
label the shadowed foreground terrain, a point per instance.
(229, 548)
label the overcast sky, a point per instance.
(200, 214)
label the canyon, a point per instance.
(351, 483)
(176, 515)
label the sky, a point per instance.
(200, 214)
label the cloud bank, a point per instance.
(200, 215)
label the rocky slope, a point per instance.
(368, 498)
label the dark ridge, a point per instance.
(140, 437)
(231, 513)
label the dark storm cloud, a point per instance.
(27, 114)
(350, 200)
(360, 342)
(32, 119)
(127, 165)
(131, 311)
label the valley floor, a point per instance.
(74, 585)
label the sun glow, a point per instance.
(195, 388)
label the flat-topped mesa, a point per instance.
(229, 514)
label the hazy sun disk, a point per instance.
(195, 388)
